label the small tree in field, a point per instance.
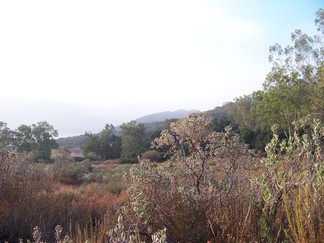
(91, 146)
(132, 141)
(37, 139)
(110, 144)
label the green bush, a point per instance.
(75, 173)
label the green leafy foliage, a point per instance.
(251, 130)
(133, 141)
(294, 84)
(37, 140)
(220, 124)
(104, 146)
(292, 164)
(293, 89)
(91, 146)
(6, 136)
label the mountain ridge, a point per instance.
(161, 116)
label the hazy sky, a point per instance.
(82, 64)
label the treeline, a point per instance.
(131, 141)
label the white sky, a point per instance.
(76, 63)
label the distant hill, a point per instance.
(218, 112)
(70, 141)
(161, 116)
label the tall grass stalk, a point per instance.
(304, 211)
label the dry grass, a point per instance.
(304, 211)
(33, 194)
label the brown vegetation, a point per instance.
(43, 195)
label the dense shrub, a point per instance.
(31, 196)
(291, 187)
(27, 201)
(153, 155)
(76, 173)
(184, 195)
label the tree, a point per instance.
(132, 141)
(243, 113)
(37, 138)
(219, 124)
(91, 146)
(284, 103)
(44, 134)
(105, 145)
(167, 123)
(109, 143)
(294, 87)
(24, 140)
(6, 136)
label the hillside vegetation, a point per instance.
(250, 171)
